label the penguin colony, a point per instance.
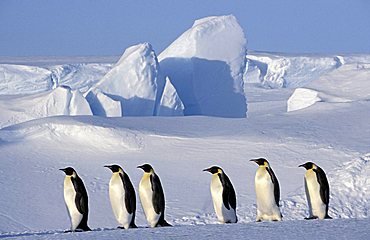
(123, 197)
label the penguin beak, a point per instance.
(253, 160)
(206, 170)
(140, 167)
(302, 165)
(62, 169)
(108, 166)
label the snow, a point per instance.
(60, 101)
(302, 98)
(291, 71)
(338, 229)
(23, 79)
(300, 108)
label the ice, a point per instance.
(205, 65)
(133, 81)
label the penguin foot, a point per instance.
(67, 231)
(120, 227)
(164, 224)
(310, 218)
(133, 225)
(328, 217)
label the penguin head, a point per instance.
(114, 168)
(69, 171)
(308, 165)
(261, 162)
(213, 170)
(146, 168)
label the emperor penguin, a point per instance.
(122, 197)
(317, 191)
(267, 192)
(76, 200)
(223, 195)
(152, 197)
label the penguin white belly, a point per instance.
(69, 198)
(146, 199)
(223, 214)
(117, 200)
(316, 206)
(266, 204)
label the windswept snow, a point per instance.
(290, 71)
(349, 83)
(22, 79)
(60, 101)
(302, 98)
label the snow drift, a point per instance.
(60, 101)
(289, 71)
(346, 84)
(24, 79)
(205, 65)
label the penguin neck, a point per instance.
(147, 175)
(263, 167)
(117, 173)
(215, 177)
(74, 175)
(309, 172)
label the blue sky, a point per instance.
(107, 27)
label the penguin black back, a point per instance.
(276, 185)
(228, 193)
(323, 181)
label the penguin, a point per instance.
(152, 197)
(76, 200)
(317, 191)
(223, 195)
(267, 192)
(122, 197)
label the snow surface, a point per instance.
(300, 108)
